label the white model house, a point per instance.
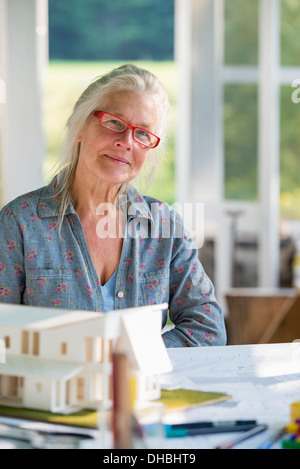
(60, 360)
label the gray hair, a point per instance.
(126, 77)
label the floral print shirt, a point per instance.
(42, 267)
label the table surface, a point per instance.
(263, 380)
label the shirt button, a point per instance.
(120, 294)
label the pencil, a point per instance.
(254, 431)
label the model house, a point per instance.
(60, 360)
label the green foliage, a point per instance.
(290, 32)
(289, 155)
(111, 30)
(240, 139)
(241, 32)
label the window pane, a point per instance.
(290, 32)
(241, 32)
(240, 140)
(289, 154)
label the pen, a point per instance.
(254, 431)
(200, 428)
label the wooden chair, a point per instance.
(262, 315)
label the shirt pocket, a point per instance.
(47, 287)
(154, 287)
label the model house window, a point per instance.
(68, 392)
(110, 349)
(39, 387)
(7, 341)
(13, 386)
(89, 349)
(80, 389)
(25, 342)
(63, 348)
(36, 343)
(94, 349)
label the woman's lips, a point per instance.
(117, 159)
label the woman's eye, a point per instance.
(114, 123)
(142, 134)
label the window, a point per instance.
(63, 348)
(289, 155)
(12, 386)
(36, 343)
(289, 110)
(7, 341)
(89, 349)
(25, 342)
(240, 90)
(39, 387)
(80, 389)
(240, 141)
(290, 33)
(241, 32)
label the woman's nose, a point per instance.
(126, 139)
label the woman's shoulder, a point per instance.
(23, 202)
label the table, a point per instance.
(263, 381)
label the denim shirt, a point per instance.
(40, 266)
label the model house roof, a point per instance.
(141, 337)
(40, 317)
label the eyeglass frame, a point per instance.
(99, 115)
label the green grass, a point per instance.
(66, 80)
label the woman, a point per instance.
(89, 240)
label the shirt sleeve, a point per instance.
(12, 275)
(193, 308)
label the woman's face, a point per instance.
(111, 157)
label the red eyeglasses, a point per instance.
(119, 125)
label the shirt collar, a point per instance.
(48, 204)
